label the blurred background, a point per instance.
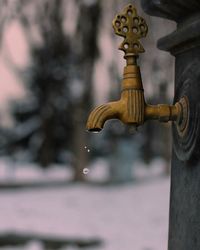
(61, 187)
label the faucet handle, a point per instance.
(132, 27)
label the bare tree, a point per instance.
(51, 120)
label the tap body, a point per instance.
(131, 108)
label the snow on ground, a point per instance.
(126, 217)
(16, 172)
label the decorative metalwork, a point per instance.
(132, 27)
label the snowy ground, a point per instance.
(126, 217)
(131, 217)
(13, 172)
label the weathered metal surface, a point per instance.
(184, 44)
(132, 27)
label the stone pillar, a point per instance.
(184, 44)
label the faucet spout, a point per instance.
(100, 115)
(129, 109)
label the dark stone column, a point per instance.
(184, 44)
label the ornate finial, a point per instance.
(132, 27)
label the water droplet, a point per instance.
(96, 132)
(88, 150)
(86, 171)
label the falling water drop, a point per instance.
(88, 150)
(86, 171)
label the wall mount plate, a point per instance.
(182, 122)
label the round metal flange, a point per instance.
(183, 120)
(186, 129)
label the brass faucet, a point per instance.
(131, 108)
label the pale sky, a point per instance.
(14, 51)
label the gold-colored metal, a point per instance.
(132, 27)
(182, 122)
(132, 108)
